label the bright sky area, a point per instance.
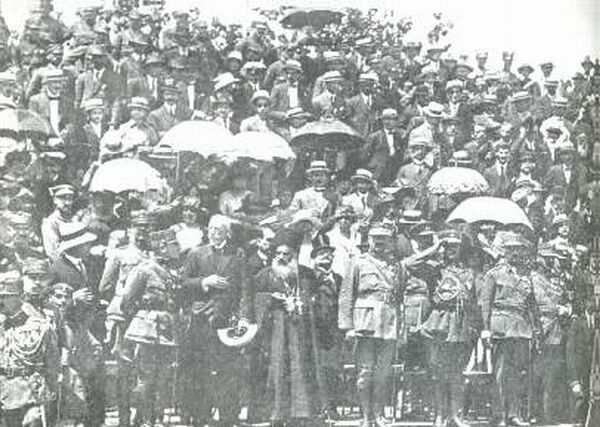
(561, 30)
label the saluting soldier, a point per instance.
(451, 326)
(511, 322)
(368, 308)
(28, 358)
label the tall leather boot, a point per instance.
(364, 386)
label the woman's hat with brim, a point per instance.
(73, 235)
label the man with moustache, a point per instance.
(291, 390)
(368, 310)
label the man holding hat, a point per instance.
(291, 93)
(369, 301)
(312, 198)
(385, 149)
(29, 365)
(213, 285)
(511, 324)
(62, 196)
(172, 111)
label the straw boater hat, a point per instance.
(236, 55)
(363, 174)
(317, 166)
(434, 109)
(73, 235)
(93, 104)
(297, 113)
(139, 102)
(332, 76)
(62, 190)
(224, 80)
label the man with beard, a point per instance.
(368, 309)
(213, 284)
(511, 322)
(288, 337)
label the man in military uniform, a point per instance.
(368, 308)
(35, 272)
(550, 288)
(28, 358)
(62, 196)
(148, 299)
(119, 264)
(510, 322)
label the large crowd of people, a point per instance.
(290, 289)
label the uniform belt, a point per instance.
(16, 372)
(514, 308)
(382, 295)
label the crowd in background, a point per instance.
(344, 245)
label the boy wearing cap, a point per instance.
(29, 366)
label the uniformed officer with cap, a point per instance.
(28, 358)
(62, 196)
(511, 324)
(148, 299)
(368, 309)
(35, 271)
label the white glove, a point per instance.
(214, 281)
(576, 390)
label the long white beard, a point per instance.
(284, 272)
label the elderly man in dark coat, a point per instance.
(284, 293)
(213, 284)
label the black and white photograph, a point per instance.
(299, 213)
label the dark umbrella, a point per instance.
(21, 124)
(318, 18)
(327, 135)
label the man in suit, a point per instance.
(171, 112)
(363, 199)
(137, 131)
(498, 175)
(565, 174)
(362, 107)
(52, 92)
(330, 102)
(100, 82)
(313, 198)
(385, 149)
(290, 94)
(148, 82)
(416, 173)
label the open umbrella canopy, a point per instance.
(327, 134)
(265, 146)
(21, 124)
(453, 180)
(126, 174)
(496, 209)
(202, 137)
(317, 18)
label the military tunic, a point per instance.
(29, 360)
